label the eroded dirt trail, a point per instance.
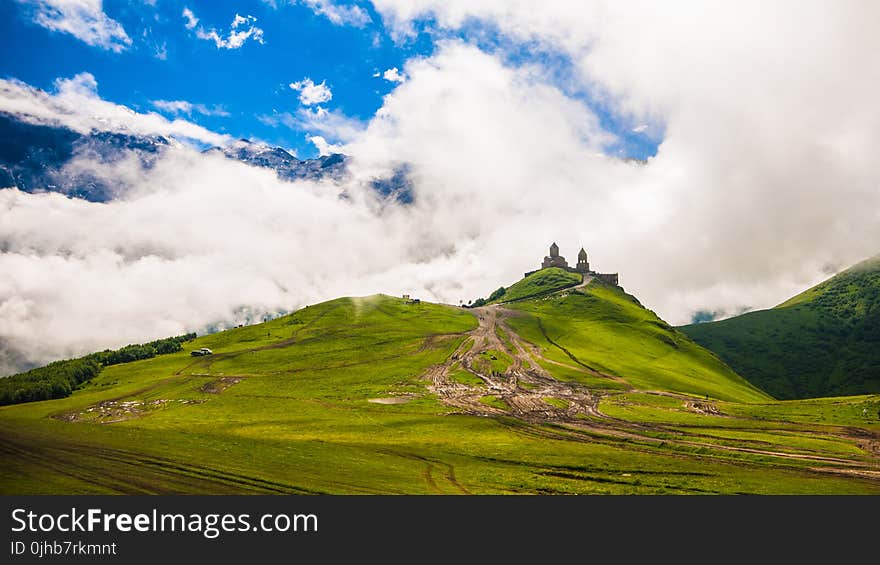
(524, 386)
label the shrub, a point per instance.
(497, 294)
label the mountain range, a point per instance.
(41, 157)
(281, 161)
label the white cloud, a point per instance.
(393, 75)
(76, 105)
(241, 29)
(185, 107)
(311, 93)
(323, 146)
(191, 19)
(641, 128)
(339, 14)
(161, 51)
(333, 124)
(100, 277)
(83, 19)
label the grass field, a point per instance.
(607, 330)
(334, 399)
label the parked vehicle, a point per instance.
(202, 351)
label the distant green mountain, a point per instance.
(823, 342)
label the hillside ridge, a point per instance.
(824, 341)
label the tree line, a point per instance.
(61, 378)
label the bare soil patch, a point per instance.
(112, 411)
(219, 385)
(392, 400)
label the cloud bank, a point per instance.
(764, 180)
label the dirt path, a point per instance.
(523, 387)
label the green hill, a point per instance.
(578, 391)
(823, 342)
(606, 329)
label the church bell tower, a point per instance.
(583, 266)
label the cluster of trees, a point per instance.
(498, 293)
(55, 380)
(61, 378)
(140, 351)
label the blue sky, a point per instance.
(246, 82)
(239, 88)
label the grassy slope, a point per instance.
(300, 421)
(608, 330)
(798, 426)
(540, 283)
(823, 342)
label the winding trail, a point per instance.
(523, 386)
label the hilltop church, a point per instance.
(582, 267)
